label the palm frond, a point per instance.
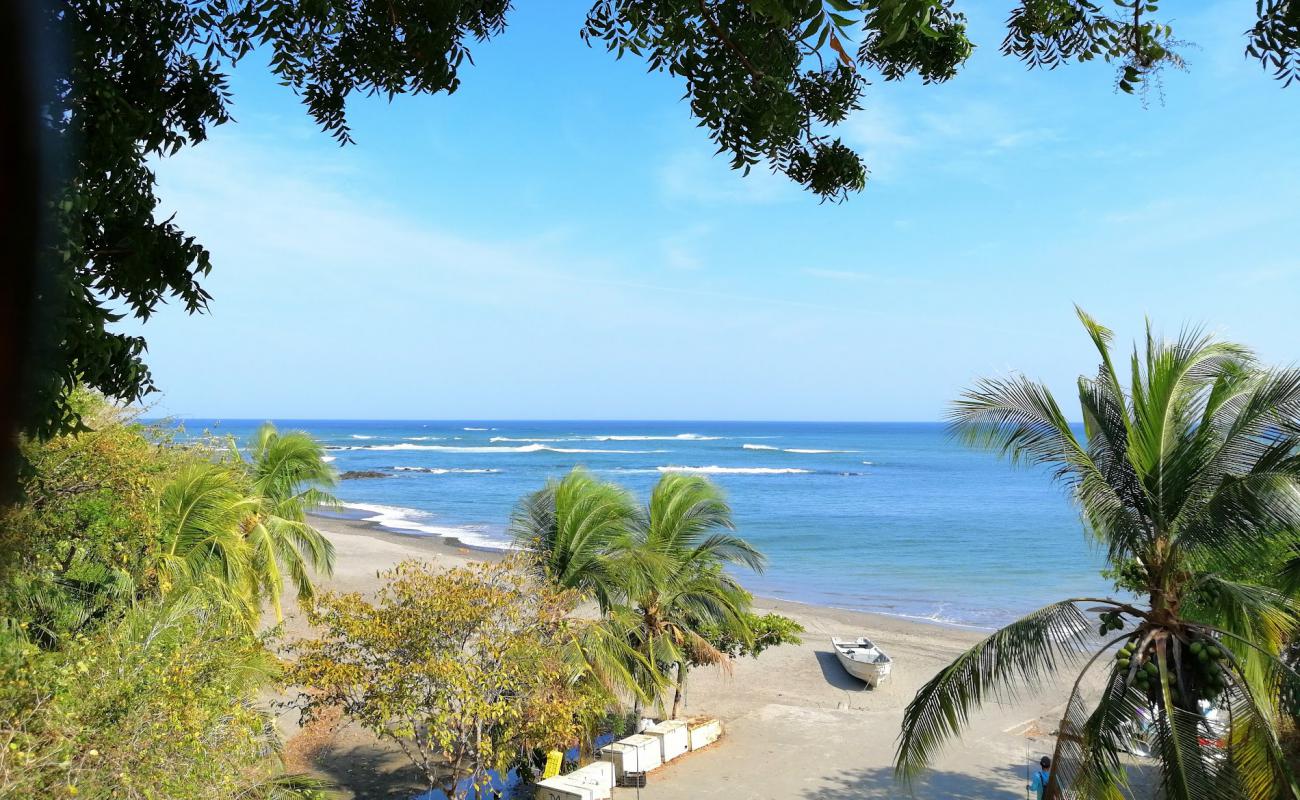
(1188, 772)
(1017, 657)
(1260, 763)
(571, 528)
(1086, 760)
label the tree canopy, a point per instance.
(768, 79)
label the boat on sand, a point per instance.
(862, 659)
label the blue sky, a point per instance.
(555, 240)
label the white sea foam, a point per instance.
(361, 436)
(799, 450)
(868, 463)
(328, 459)
(680, 437)
(410, 519)
(421, 438)
(716, 470)
(478, 429)
(531, 439)
(442, 471)
(527, 448)
(590, 450)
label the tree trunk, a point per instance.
(681, 684)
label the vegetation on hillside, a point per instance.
(133, 565)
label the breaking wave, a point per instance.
(449, 448)
(413, 520)
(800, 450)
(716, 470)
(680, 437)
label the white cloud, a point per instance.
(878, 132)
(693, 176)
(892, 140)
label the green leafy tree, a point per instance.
(768, 80)
(1193, 467)
(81, 539)
(766, 631)
(466, 670)
(159, 703)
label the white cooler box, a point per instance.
(599, 775)
(673, 737)
(561, 788)
(703, 731)
(636, 753)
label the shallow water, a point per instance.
(887, 517)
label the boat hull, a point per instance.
(872, 672)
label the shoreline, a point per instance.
(793, 705)
(491, 553)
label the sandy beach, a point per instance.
(797, 726)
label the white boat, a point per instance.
(862, 659)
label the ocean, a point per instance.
(893, 518)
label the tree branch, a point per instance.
(726, 40)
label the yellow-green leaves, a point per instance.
(465, 668)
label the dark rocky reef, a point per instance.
(353, 474)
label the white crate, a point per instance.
(561, 788)
(703, 731)
(673, 737)
(636, 753)
(599, 775)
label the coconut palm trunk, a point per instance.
(679, 688)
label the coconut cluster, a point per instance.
(1194, 673)
(1110, 621)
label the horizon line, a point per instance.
(516, 420)
(183, 417)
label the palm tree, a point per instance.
(681, 542)
(657, 573)
(288, 476)
(202, 514)
(575, 531)
(1194, 468)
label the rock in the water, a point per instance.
(362, 473)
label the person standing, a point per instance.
(1041, 776)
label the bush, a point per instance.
(171, 712)
(467, 670)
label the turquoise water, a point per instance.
(887, 517)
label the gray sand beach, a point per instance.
(797, 726)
